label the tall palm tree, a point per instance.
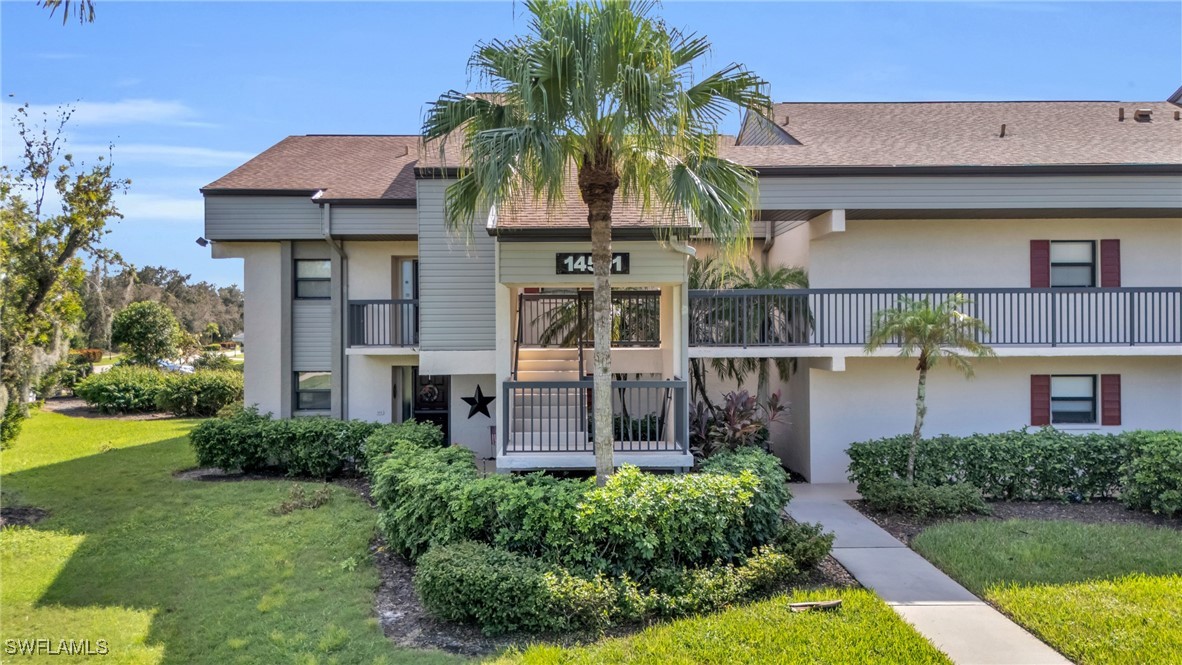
(931, 332)
(603, 96)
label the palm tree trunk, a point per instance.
(921, 410)
(601, 313)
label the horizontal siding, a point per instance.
(457, 308)
(919, 192)
(311, 335)
(389, 221)
(532, 263)
(261, 218)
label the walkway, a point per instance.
(961, 625)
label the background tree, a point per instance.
(40, 252)
(930, 332)
(147, 331)
(212, 332)
(602, 96)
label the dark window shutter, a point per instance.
(1110, 263)
(1110, 399)
(1040, 399)
(1040, 264)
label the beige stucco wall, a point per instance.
(263, 320)
(370, 267)
(983, 253)
(875, 397)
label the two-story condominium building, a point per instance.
(1060, 221)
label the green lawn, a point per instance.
(1098, 593)
(172, 571)
(109, 359)
(863, 630)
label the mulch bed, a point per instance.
(21, 515)
(75, 407)
(907, 527)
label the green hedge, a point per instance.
(636, 523)
(503, 592)
(202, 393)
(900, 496)
(124, 389)
(1143, 468)
(317, 447)
(378, 446)
(1021, 465)
(1153, 474)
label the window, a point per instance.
(1073, 263)
(313, 278)
(313, 391)
(1073, 399)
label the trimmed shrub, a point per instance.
(900, 496)
(763, 516)
(212, 347)
(122, 389)
(318, 447)
(807, 544)
(1153, 475)
(202, 393)
(415, 487)
(532, 514)
(1019, 465)
(638, 521)
(502, 592)
(498, 590)
(382, 441)
(213, 360)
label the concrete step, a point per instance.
(548, 364)
(547, 354)
(547, 375)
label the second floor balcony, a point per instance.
(383, 323)
(1015, 316)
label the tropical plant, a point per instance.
(601, 96)
(740, 420)
(931, 332)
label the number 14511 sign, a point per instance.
(579, 263)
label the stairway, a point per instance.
(549, 418)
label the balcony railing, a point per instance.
(556, 417)
(383, 323)
(843, 317)
(564, 319)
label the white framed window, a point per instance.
(1073, 399)
(1073, 263)
(313, 391)
(313, 279)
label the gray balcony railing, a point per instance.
(383, 323)
(556, 416)
(564, 319)
(843, 317)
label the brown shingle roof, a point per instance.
(525, 212)
(968, 134)
(345, 167)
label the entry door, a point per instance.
(431, 400)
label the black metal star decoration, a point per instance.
(478, 402)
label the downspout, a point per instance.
(339, 249)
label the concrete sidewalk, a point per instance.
(957, 622)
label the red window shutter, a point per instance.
(1110, 399)
(1040, 399)
(1040, 264)
(1110, 263)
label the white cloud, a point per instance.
(122, 112)
(167, 155)
(161, 208)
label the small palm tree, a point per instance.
(930, 332)
(607, 98)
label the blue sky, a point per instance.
(187, 91)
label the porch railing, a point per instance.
(1015, 316)
(383, 323)
(556, 416)
(564, 319)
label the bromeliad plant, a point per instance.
(603, 97)
(739, 421)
